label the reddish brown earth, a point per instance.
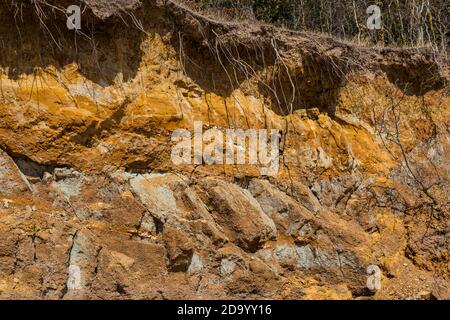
(87, 181)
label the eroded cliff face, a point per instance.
(87, 183)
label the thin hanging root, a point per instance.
(137, 23)
(217, 51)
(182, 54)
(291, 105)
(33, 83)
(41, 16)
(1, 84)
(237, 64)
(62, 84)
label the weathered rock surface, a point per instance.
(241, 216)
(92, 207)
(12, 179)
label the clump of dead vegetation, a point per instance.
(405, 23)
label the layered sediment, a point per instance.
(88, 188)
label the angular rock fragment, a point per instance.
(12, 180)
(239, 214)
